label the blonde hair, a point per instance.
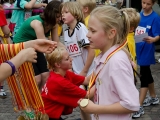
(134, 16)
(91, 4)
(110, 17)
(75, 9)
(55, 57)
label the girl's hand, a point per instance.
(29, 55)
(90, 108)
(149, 39)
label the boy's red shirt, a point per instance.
(61, 94)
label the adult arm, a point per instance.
(23, 56)
(41, 45)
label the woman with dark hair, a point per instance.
(39, 27)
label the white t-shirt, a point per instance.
(75, 44)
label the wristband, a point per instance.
(12, 66)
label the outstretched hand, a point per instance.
(41, 45)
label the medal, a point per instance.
(44, 117)
(84, 102)
(20, 118)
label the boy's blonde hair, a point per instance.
(111, 18)
(91, 4)
(75, 9)
(55, 57)
(134, 16)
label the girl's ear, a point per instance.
(112, 33)
(57, 65)
(85, 9)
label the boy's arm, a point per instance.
(90, 57)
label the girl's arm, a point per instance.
(38, 28)
(90, 57)
(55, 37)
(115, 108)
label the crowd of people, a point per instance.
(95, 67)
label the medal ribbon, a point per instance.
(93, 78)
(23, 87)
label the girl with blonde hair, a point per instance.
(115, 95)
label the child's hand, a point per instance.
(149, 39)
(29, 55)
(90, 108)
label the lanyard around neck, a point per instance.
(93, 78)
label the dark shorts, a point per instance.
(55, 119)
(41, 65)
(146, 76)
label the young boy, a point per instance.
(87, 7)
(134, 18)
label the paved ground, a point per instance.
(151, 112)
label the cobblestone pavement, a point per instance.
(151, 112)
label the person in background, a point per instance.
(4, 38)
(145, 50)
(134, 18)
(87, 7)
(20, 15)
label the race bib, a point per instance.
(27, 14)
(140, 30)
(73, 48)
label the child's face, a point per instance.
(66, 62)
(67, 17)
(96, 34)
(147, 5)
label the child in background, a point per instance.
(4, 38)
(134, 18)
(19, 16)
(149, 23)
(61, 91)
(75, 39)
(113, 74)
(87, 7)
(76, 42)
